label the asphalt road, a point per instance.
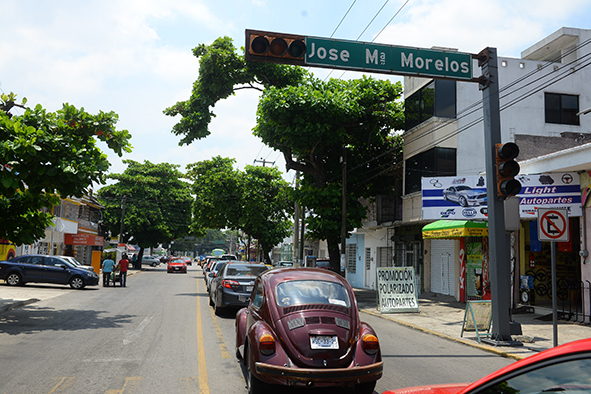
(159, 335)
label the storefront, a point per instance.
(458, 249)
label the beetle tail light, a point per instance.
(370, 343)
(267, 344)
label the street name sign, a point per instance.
(370, 57)
(553, 225)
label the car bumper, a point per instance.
(90, 281)
(230, 298)
(312, 376)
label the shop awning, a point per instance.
(455, 229)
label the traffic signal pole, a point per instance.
(499, 242)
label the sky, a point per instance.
(134, 57)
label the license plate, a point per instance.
(249, 288)
(324, 342)
(243, 298)
(176, 268)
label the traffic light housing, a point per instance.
(264, 46)
(507, 169)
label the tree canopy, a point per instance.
(157, 203)
(256, 200)
(45, 155)
(314, 123)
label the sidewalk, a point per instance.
(443, 316)
(19, 296)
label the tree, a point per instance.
(313, 123)
(157, 204)
(266, 205)
(255, 201)
(45, 155)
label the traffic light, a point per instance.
(264, 46)
(507, 169)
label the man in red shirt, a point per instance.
(123, 265)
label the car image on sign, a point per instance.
(464, 195)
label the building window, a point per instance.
(432, 163)
(438, 98)
(561, 108)
(352, 258)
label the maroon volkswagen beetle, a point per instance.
(302, 328)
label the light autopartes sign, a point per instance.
(553, 225)
(397, 289)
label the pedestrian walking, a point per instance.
(107, 266)
(123, 265)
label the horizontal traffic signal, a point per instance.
(264, 46)
(507, 169)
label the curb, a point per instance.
(444, 336)
(17, 304)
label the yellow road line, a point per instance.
(218, 332)
(203, 381)
(68, 382)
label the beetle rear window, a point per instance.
(303, 292)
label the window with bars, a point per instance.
(352, 258)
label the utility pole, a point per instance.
(343, 209)
(122, 218)
(264, 161)
(296, 225)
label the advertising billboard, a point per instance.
(462, 198)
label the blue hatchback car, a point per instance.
(46, 269)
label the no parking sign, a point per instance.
(553, 225)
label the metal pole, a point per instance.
(499, 258)
(122, 218)
(344, 208)
(554, 295)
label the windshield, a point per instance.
(302, 292)
(245, 270)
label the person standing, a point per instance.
(107, 266)
(123, 265)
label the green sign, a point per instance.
(363, 56)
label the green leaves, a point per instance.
(43, 154)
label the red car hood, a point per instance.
(451, 388)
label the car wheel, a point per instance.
(153, 264)
(256, 386)
(14, 279)
(365, 388)
(210, 300)
(463, 201)
(77, 283)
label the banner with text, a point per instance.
(397, 290)
(462, 198)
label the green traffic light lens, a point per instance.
(260, 45)
(510, 187)
(297, 49)
(278, 47)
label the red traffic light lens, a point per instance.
(260, 45)
(508, 151)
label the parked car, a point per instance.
(212, 273)
(302, 328)
(164, 259)
(176, 264)
(284, 264)
(233, 284)
(188, 260)
(151, 260)
(76, 263)
(464, 195)
(323, 263)
(46, 269)
(229, 257)
(564, 368)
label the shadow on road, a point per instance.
(29, 320)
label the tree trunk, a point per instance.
(334, 254)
